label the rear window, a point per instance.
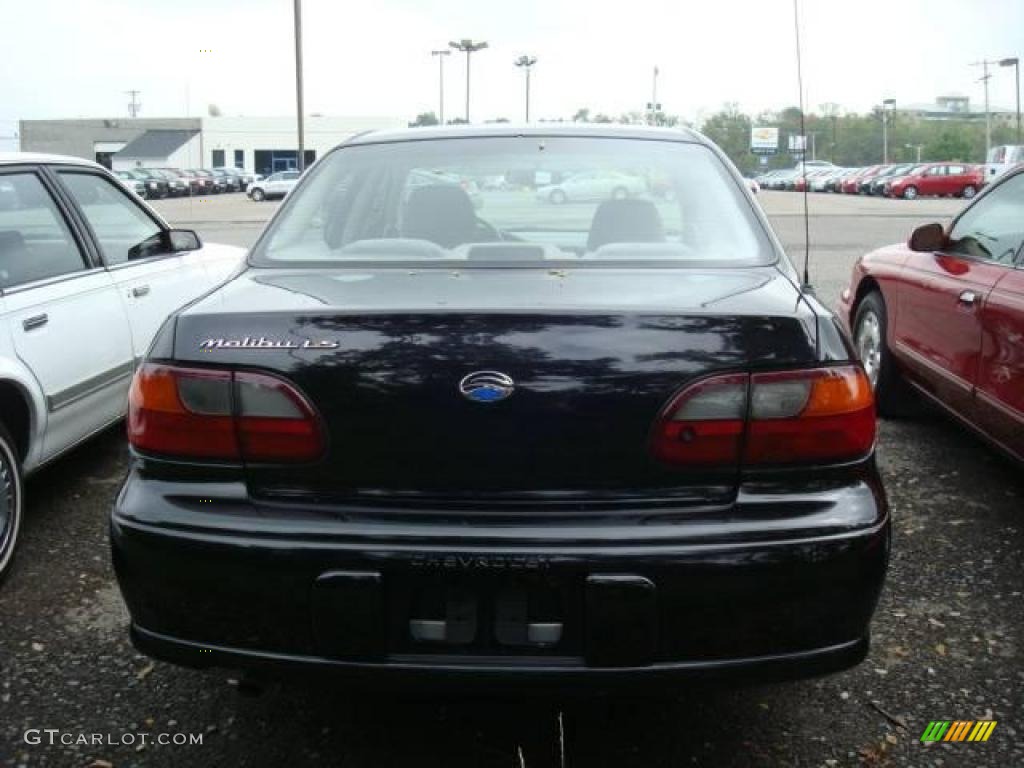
(518, 199)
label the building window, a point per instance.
(218, 158)
(239, 158)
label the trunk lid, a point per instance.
(593, 355)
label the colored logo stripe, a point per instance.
(958, 730)
(982, 730)
(935, 730)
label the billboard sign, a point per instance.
(764, 140)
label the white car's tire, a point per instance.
(258, 195)
(11, 501)
(557, 196)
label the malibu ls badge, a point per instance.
(486, 386)
(262, 342)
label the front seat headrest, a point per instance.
(625, 221)
(442, 214)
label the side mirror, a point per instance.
(183, 240)
(928, 238)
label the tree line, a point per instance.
(844, 139)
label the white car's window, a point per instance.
(993, 229)
(558, 198)
(123, 229)
(35, 242)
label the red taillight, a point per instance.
(214, 414)
(822, 415)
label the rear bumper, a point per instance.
(241, 586)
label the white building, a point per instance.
(257, 144)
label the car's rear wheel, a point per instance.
(258, 195)
(909, 193)
(870, 325)
(557, 196)
(11, 501)
(969, 191)
(620, 193)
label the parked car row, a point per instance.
(903, 180)
(158, 183)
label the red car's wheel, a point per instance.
(870, 323)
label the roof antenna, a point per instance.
(806, 286)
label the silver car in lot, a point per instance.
(593, 185)
(275, 185)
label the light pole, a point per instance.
(527, 62)
(468, 47)
(654, 107)
(988, 118)
(1015, 63)
(298, 85)
(440, 60)
(888, 105)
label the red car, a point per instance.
(955, 179)
(851, 184)
(943, 315)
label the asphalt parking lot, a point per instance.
(946, 643)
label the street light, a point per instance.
(468, 47)
(888, 105)
(527, 62)
(1015, 63)
(917, 147)
(440, 58)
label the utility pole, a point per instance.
(654, 107)
(886, 104)
(831, 111)
(468, 47)
(134, 105)
(527, 62)
(440, 60)
(298, 85)
(1015, 63)
(988, 118)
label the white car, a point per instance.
(88, 274)
(136, 185)
(275, 185)
(593, 185)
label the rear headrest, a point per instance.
(625, 221)
(440, 213)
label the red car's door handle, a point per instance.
(968, 297)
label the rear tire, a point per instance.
(11, 501)
(910, 193)
(258, 195)
(969, 191)
(870, 327)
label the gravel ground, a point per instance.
(946, 641)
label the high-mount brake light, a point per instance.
(815, 416)
(216, 414)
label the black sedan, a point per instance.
(423, 440)
(156, 185)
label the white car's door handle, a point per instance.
(140, 290)
(36, 321)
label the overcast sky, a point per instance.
(65, 58)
